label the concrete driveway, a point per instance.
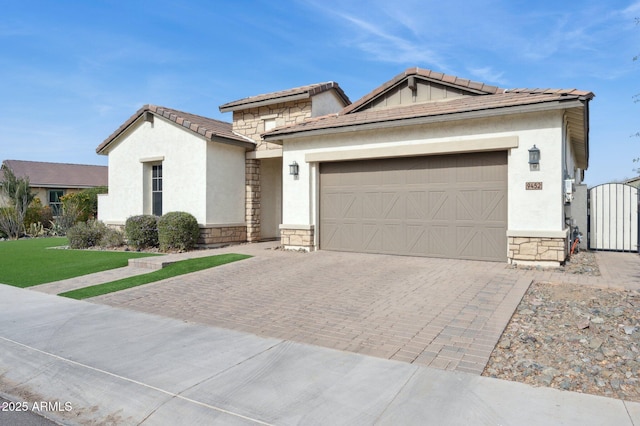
(442, 313)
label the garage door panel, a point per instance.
(393, 206)
(442, 206)
(494, 206)
(372, 205)
(351, 206)
(372, 237)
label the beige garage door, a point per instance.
(452, 206)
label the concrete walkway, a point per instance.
(120, 367)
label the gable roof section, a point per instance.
(469, 86)
(303, 92)
(59, 175)
(207, 128)
(483, 101)
(435, 111)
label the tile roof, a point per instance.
(498, 101)
(61, 175)
(285, 95)
(473, 87)
(209, 128)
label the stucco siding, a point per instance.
(225, 183)
(271, 173)
(182, 156)
(540, 210)
(326, 103)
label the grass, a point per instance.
(172, 270)
(25, 263)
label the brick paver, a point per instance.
(439, 312)
(443, 313)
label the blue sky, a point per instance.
(72, 72)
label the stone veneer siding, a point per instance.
(213, 234)
(297, 238)
(252, 199)
(537, 249)
(250, 122)
(222, 234)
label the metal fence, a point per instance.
(613, 217)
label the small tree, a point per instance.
(85, 202)
(18, 195)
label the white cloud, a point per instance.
(388, 45)
(488, 75)
(632, 10)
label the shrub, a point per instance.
(112, 237)
(10, 224)
(69, 217)
(37, 213)
(35, 230)
(85, 202)
(16, 193)
(142, 231)
(178, 231)
(83, 235)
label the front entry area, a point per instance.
(450, 206)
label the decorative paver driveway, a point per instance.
(443, 313)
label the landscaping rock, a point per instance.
(575, 338)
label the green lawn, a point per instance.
(25, 263)
(172, 270)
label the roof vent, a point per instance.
(411, 83)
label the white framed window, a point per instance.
(269, 124)
(156, 189)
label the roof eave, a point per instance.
(265, 102)
(402, 122)
(208, 135)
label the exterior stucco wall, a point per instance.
(183, 160)
(224, 184)
(43, 194)
(528, 210)
(326, 103)
(271, 173)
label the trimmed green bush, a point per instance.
(111, 238)
(178, 231)
(142, 231)
(83, 235)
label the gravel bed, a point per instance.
(573, 337)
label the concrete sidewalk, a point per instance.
(115, 366)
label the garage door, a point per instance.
(452, 206)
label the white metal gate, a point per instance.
(613, 217)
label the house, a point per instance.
(427, 164)
(633, 181)
(163, 160)
(50, 181)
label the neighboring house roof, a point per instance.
(58, 175)
(303, 92)
(480, 100)
(633, 181)
(208, 128)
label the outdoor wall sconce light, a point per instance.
(534, 158)
(293, 169)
